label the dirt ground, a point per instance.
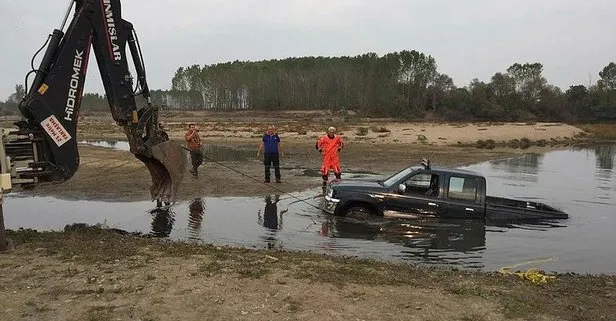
(387, 146)
(94, 274)
(91, 274)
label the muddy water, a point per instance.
(580, 181)
(212, 152)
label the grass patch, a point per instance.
(542, 143)
(292, 304)
(100, 313)
(379, 129)
(252, 272)
(361, 131)
(525, 143)
(487, 144)
(602, 131)
(211, 268)
(464, 290)
(474, 317)
(422, 138)
(570, 297)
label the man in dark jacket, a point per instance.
(270, 145)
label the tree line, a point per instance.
(405, 84)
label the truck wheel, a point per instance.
(359, 211)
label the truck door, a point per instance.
(420, 197)
(462, 197)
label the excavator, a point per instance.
(42, 149)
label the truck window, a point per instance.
(462, 188)
(421, 184)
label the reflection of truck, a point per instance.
(436, 192)
(441, 235)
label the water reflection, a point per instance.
(270, 220)
(524, 168)
(425, 234)
(114, 144)
(604, 155)
(211, 151)
(196, 210)
(163, 218)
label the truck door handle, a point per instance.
(432, 204)
(469, 209)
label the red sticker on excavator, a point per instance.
(56, 131)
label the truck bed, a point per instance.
(500, 208)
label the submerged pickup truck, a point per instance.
(431, 191)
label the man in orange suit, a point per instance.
(330, 145)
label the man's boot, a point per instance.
(194, 172)
(338, 175)
(267, 174)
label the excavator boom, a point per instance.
(46, 142)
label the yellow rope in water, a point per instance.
(534, 275)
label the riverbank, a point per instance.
(95, 274)
(303, 126)
(111, 175)
(379, 146)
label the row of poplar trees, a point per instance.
(404, 84)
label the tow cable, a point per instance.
(267, 185)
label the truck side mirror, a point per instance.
(402, 188)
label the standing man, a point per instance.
(193, 143)
(270, 145)
(330, 145)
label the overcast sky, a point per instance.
(468, 38)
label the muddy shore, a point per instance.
(93, 274)
(380, 146)
(112, 175)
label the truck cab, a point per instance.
(429, 191)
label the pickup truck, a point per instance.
(430, 191)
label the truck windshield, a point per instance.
(397, 177)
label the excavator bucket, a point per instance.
(167, 168)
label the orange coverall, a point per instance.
(329, 149)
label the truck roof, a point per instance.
(448, 170)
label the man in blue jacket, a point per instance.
(270, 145)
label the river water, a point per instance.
(579, 180)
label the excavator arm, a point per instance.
(44, 148)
